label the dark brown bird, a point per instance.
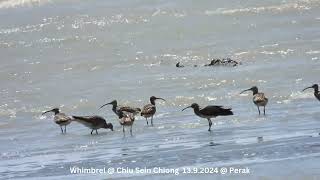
(93, 122)
(125, 109)
(258, 98)
(316, 93)
(222, 62)
(60, 118)
(126, 120)
(178, 65)
(150, 109)
(209, 112)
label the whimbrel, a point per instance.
(209, 112)
(93, 122)
(116, 108)
(150, 109)
(126, 120)
(316, 93)
(259, 99)
(178, 65)
(60, 118)
(222, 62)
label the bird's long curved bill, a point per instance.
(104, 105)
(245, 91)
(186, 108)
(306, 88)
(46, 112)
(161, 99)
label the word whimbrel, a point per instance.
(93, 122)
(258, 98)
(210, 112)
(126, 120)
(316, 90)
(116, 109)
(60, 118)
(150, 109)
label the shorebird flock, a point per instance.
(216, 62)
(126, 115)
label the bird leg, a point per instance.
(92, 131)
(96, 131)
(131, 130)
(147, 121)
(264, 110)
(210, 124)
(61, 129)
(65, 129)
(124, 134)
(151, 120)
(258, 109)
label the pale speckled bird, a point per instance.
(316, 93)
(93, 122)
(259, 98)
(150, 109)
(126, 120)
(60, 118)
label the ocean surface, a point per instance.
(78, 55)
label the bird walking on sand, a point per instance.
(259, 98)
(60, 118)
(116, 109)
(209, 112)
(150, 109)
(316, 93)
(93, 122)
(126, 120)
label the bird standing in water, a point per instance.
(150, 109)
(316, 93)
(60, 118)
(179, 66)
(126, 120)
(209, 112)
(93, 122)
(259, 98)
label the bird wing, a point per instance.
(128, 109)
(61, 118)
(215, 111)
(259, 98)
(148, 109)
(92, 120)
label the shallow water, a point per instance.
(78, 55)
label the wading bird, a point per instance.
(116, 109)
(93, 122)
(150, 109)
(316, 93)
(258, 98)
(126, 120)
(210, 112)
(178, 65)
(60, 118)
